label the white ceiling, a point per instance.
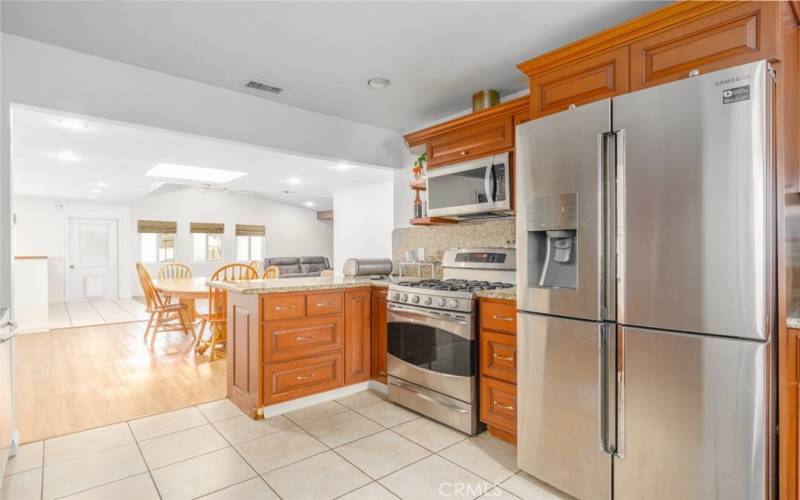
(120, 155)
(435, 53)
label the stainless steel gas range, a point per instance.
(433, 348)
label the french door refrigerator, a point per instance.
(646, 252)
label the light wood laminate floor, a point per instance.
(79, 378)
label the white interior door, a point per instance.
(92, 260)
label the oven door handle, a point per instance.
(420, 394)
(420, 312)
(461, 327)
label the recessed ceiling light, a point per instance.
(95, 191)
(91, 196)
(309, 204)
(71, 124)
(192, 173)
(67, 156)
(102, 184)
(289, 192)
(293, 180)
(378, 83)
(341, 166)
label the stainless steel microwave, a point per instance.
(470, 189)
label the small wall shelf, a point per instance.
(420, 184)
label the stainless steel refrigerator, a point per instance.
(646, 293)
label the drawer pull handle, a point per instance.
(325, 304)
(283, 308)
(464, 153)
(303, 338)
(504, 407)
(503, 358)
(499, 317)
(305, 377)
(693, 73)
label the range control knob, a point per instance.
(442, 302)
(395, 296)
(453, 304)
(404, 297)
(415, 298)
(428, 301)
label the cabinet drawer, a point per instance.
(289, 339)
(323, 303)
(499, 404)
(498, 356)
(737, 35)
(500, 316)
(294, 379)
(586, 80)
(279, 306)
(473, 141)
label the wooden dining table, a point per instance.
(186, 290)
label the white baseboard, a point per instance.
(379, 387)
(296, 404)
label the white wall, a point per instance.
(291, 231)
(42, 229)
(362, 222)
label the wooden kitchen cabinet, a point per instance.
(482, 139)
(497, 354)
(744, 33)
(302, 377)
(300, 337)
(357, 335)
(589, 79)
(379, 335)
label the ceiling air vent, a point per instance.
(263, 87)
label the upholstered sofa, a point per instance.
(298, 267)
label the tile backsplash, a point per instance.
(496, 233)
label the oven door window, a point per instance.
(458, 189)
(431, 348)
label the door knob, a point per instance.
(72, 266)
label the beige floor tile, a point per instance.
(165, 450)
(361, 399)
(84, 443)
(83, 473)
(386, 413)
(202, 475)
(167, 423)
(432, 435)
(372, 491)
(252, 489)
(528, 487)
(23, 486)
(332, 476)
(434, 478)
(382, 453)
(222, 409)
(486, 456)
(498, 493)
(316, 412)
(29, 456)
(341, 428)
(276, 450)
(58, 316)
(139, 487)
(241, 429)
(83, 314)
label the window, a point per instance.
(249, 248)
(207, 247)
(158, 247)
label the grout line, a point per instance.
(101, 485)
(41, 478)
(146, 465)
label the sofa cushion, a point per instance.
(295, 267)
(282, 261)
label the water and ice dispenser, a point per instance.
(552, 241)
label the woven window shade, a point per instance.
(250, 230)
(207, 227)
(157, 226)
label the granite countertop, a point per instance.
(500, 294)
(297, 284)
(793, 319)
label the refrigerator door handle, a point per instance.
(606, 151)
(620, 374)
(620, 225)
(607, 374)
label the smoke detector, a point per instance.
(263, 87)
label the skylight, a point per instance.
(192, 173)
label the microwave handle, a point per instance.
(487, 183)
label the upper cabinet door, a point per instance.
(741, 34)
(586, 80)
(474, 141)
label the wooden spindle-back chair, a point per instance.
(216, 317)
(174, 271)
(255, 264)
(271, 272)
(163, 316)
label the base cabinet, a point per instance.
(379, 335)
(497, 346)
(357, 336)
(301, 377)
